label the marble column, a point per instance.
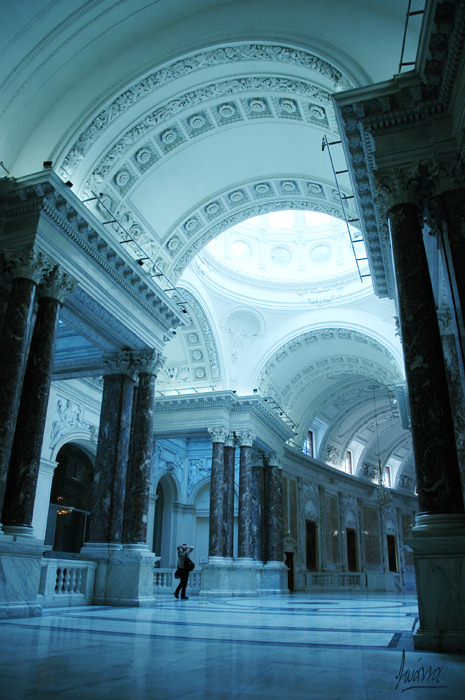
(245, 544)
(15, 337)
(258, 501)
(322, 525)
(438, 538)
(27, 444)
(274, 511)
(453, 206)
(109, 484)
(141, 448)
(228, 496)
(363, 558)
(438, 480)
(216, 529)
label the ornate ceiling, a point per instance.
(187, 119)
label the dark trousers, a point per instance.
(184, 575)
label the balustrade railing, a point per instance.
(66, 582)
(164, 581)
(335, 580)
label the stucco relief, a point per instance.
(350, 512)
(243, 325)
(68, 419)
(198, 470)
(175, 70)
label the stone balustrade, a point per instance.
(164, 581)
(66, 582)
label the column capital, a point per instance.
(147, 361)
(230, 440)
(120, 363)
(246, 438)
(400, 186)
(218, 434)
(57, 284)
(446, 175)
(274, 460)
(26, 263)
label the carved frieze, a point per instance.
(198, 470)
(177, 69)
(68, 419)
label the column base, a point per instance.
(438, 546)
(243, 577)
(273, 578)
(20, 567)
(124, 575)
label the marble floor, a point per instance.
(357, 645)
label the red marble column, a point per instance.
(274, 512)
(29, 433)
(109, 484)
(245, 541)
(228, 496)
(14, 345)
(258, 502)
(141, 448)
(216, 529)
(438, 480)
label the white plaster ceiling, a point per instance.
(191, 117)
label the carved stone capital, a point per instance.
(218, 434)
(446, 175)
(25, 263)
(230, 440)
(402, 186)
(57, 284)
(120, 363)
(274, 460)
(246, 438)
(148, 361)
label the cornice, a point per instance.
(46, 194)
(230, 402)
(407, 101)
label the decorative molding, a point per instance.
(177, 69)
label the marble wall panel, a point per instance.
(332, 529)
(407, 524)
(371, 536)
(293, 508)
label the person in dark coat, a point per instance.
(183, 553)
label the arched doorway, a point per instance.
(163, 546)
(69, 500)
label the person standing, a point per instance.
(183, 567)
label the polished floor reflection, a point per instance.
(357, 645)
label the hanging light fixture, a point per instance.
(381, 495)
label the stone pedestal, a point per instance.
(273, 578)
(20, 567)
(245, 577)
(124, 575)
(438, 545)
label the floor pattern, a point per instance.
(354, 646)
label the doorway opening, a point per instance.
(351, 549)
(69, 509)
(289, 562)
(311, 544)
(392, 553)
